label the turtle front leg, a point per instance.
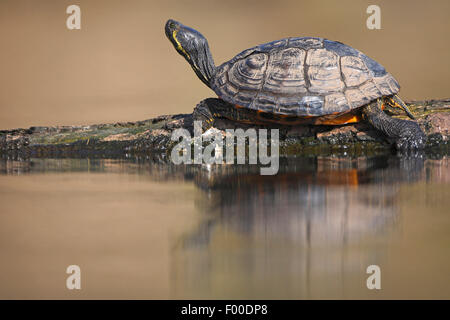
(407, 134)
(208, 110)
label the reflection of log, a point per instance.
(151, 136)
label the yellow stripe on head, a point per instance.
(179, 47)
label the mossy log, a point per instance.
(153, 136)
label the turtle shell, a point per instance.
(302, 77)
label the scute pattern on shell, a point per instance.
(286, 76)
(302, 77)
(323, 71)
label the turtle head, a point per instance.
(193, 46)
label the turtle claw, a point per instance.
(203, 113)
(412, 137)
(408, 143)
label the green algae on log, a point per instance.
(154, 136)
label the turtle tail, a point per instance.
(395, 102)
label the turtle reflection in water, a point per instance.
(310, 199)
(316, 223)
(296, 81)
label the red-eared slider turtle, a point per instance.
(296, 81)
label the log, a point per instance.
(153, 137)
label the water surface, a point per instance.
(147, 229)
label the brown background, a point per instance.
(120, 66)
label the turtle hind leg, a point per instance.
(208, 110)
(407, 134)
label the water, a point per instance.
(146, 229)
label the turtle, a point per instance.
(296, 81)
